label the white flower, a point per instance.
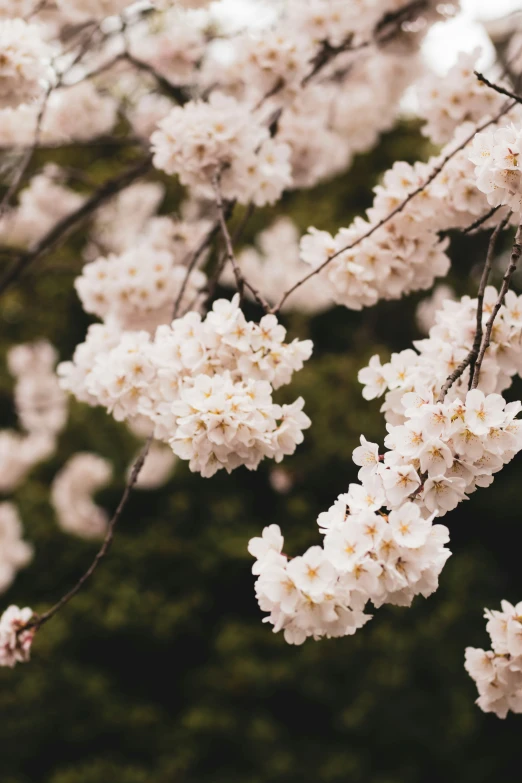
(399, 482)
(15, 643)
(24, 62)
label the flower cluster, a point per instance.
(19, 454)
(15, 643)
(40, 402)
(370, 261)
(206, 384)
(449, 343)
(173, 47)
(41, 205)
(72, 491)
(498, 672)
(42, 411)
(496, 155)
(79, 113)
(274, 266)
(24, 62)
(366, 556)
(138, 288)
(221, 139)
(443, 451)
(445, 103)
(14, 552)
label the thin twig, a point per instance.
(434, 174)
(102, 552)
(515, 257)
(471, 358)
(498, 88)
(179, 94)
(241, 281)
(203, 245)
(480, 221)
(59, 232)
(214, 281)
(28, 154)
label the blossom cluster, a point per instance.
(498, 672)
(41, 205)
(41, 406)
(24, 62)
(15, 553)
(496, 155)
(448, 344)
(366, 556)
(205, 384)
(76, 113)
(72, 491)
(137, 288)
(40, 402)
(15, 643)
(445, 103)
(203, 142)
(380, 542)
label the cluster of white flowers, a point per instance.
(19, 454)
(15, 643)
(221, 138)
(77, 113)
(41, 205)
(447, 102)
(380, 541)
(496, 155)
(448, 344)
(72, 491)
(206, 384)
(40, 402)
(444, 450)
(24, 62)
(42, 411)
(14, 552)
(173, 46)
(405, 254)
(366, 556)
(498, 672)
(138, 288)
(274, 266)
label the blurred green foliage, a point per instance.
(161, 670)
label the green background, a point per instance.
(161, 670)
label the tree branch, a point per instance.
(515, 257)
(58, 233)
(498, 88)
(40, 620)
(434, 174)
(471, 358)
(241, 281)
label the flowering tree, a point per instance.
(238, 119)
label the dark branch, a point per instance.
(515, 257)
(471, 358)
(59, 232)
(434, 174)
(498, 88)
(102, 552)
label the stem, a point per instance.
(515, 257)
(471, 358)
(102, 552)
(58, 233)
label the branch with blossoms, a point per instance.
(284, 110)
